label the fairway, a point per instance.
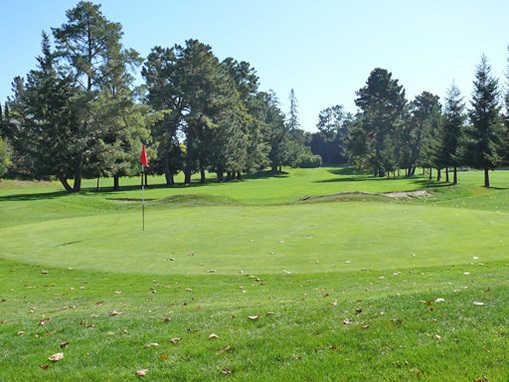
(331, 281)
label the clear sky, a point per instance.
(324, 49)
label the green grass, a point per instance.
(214, 254)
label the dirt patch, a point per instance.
(407, 194)
(130, 200)
(359, 195)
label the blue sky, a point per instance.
(324, 49)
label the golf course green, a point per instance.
(310, 275)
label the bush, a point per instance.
(4, 157)
(309, 161)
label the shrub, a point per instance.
(309, 161)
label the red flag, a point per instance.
(143, 157)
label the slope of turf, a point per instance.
(372, 289)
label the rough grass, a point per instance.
(343, 290)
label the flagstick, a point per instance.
(142, 199)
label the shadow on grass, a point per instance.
(133, 187)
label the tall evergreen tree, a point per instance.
(382, 102)
(293, 115)
(425, 122)
(454, 120)
(485, 133)
(45, 120)
(86, 45)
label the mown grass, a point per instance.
(344, 290)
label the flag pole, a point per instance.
(142, 198)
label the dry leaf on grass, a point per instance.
(213, 336)
(226, 349)
(151, 345)
(114, 313)
(226, 371)
(163, 357)
(253, 317)
(347, 321)
(478, 303)
(175, 340)
(141, 372)
(63, 344)
(43, 321)
(56, 357)
(20, 333)
(44, 366)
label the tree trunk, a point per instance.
(398, 172)
(203, 178)
(77, 176)
(439, 174)
(65, 183)
(116, 183)
(187, 176)
(447, 174)
(169, 178)
(220, 175)
(455, 176)
(486, 178)
(430, 173)
(97, 184)
(239, 176)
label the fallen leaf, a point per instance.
(189, 290)
(440, 299)
(466, 273)
(141, 372)
(226, 349)
(99, 303)
(478, 303)
(166, 320)
(358, 310)
(114, 313)
(43, 322)
(151, 345)
(44, 366)
(163, 357)
(347, 321)
(44, 272)
(175, 340)
(226, 371)
(211, 271)
(20, 333)
(63, 344)
(56, 357)
(254, 317)
(213, 336)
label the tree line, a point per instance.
(389, 134)
(79, 113)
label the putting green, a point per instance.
(321, 237)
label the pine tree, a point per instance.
(454, 120)
(293, 115)
(425, 125)
(382, 104)
(85, 44)
(485, 133)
